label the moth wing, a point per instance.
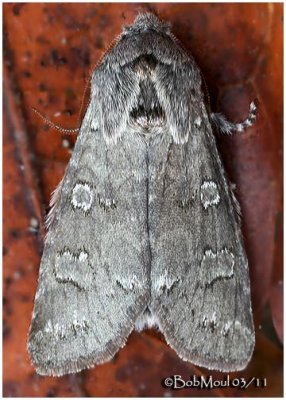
(93, 280)
(199, 272)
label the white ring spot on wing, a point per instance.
(82, 196)
(209, 194)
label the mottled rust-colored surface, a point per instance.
(50, 50)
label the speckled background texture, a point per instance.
(49, 53)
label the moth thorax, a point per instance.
(147, 115)
(145, 65)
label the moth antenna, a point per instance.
(53, 125)
(227, 127)
(83, 105)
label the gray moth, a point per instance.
(144, 228)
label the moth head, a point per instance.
(147, 35)
(145, 22)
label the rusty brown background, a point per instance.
(49, 52)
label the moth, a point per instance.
(144, 228)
